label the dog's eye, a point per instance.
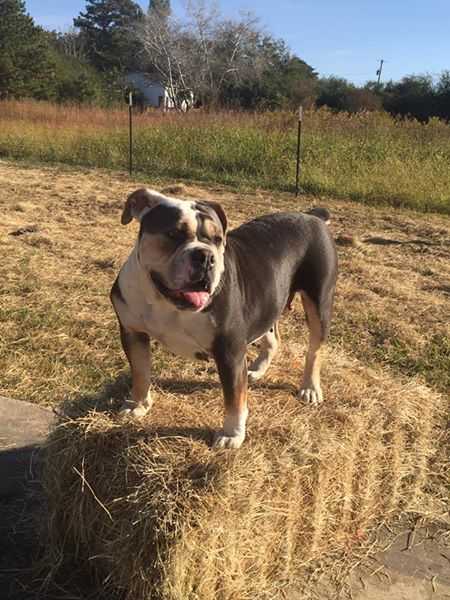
(177, 235)
(217, 240)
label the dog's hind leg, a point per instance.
(137, 349)
(269, 345)
(318, 319)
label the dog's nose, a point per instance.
(202, 258)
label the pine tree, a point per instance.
(106, 27)
(160, 7)
(26, 67)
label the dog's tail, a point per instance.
(321, 213)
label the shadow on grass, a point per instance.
(109, 399)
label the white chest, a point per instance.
(185, 333)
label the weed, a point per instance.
(368, 157)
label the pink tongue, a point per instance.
(197, 299)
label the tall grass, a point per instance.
(370, 157)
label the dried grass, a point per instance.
(152, 512)
(306, 484)
(369, 157)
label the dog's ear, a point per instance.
(216, 207)
(140, 202)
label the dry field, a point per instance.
(59, 338)
(386, 378)
(370, 157)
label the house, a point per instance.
(154, 93)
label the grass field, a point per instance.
(369, 157)
(59, 335)
(386, 368)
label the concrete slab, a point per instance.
(23, 428)
(22, 424)
(420, 571)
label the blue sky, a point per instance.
(340, 37)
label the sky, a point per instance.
(346, 38)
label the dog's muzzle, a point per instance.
(196, 293)
(202, 263)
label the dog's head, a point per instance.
(181, 245)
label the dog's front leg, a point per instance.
(137, 349)
(232, 366)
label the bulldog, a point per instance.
(206, 292)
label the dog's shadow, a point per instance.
(110, 398)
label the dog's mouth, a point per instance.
(195, 297)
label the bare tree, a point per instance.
(163, 41)
(72, 43)
(203, 54)
(227, 50)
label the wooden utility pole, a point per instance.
(379, 71)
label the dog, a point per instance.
(206, 292)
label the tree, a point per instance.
(413, 95)
(71, 43)
(26, 67)
(334, 92)
(340, 94)
(208, 54)
(106, 27)
(160, 7)
(293, 80)
(443, 95)
(281, 80)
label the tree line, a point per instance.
(223, 62)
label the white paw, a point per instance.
(311, 395)
(227, 441)
(255, 375)
(136, 412)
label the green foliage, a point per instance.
(412, 96)
(106, 29)
(161, 7)
(26, 65)
(87, 65)
(368, 157)
(340, 95)
(286, 81)
(74, 79)
(333, 93)
(416, 96)
(442, 96)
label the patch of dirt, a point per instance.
(416, 566)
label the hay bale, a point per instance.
(152, 512)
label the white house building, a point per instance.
(154, 93)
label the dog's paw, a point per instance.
(311, 395)
(136, 412)
(227, 441)
(255, 375)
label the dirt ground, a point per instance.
(63, 244)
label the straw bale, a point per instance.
(149, 510)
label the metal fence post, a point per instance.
(299, 142)
(130, 111)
